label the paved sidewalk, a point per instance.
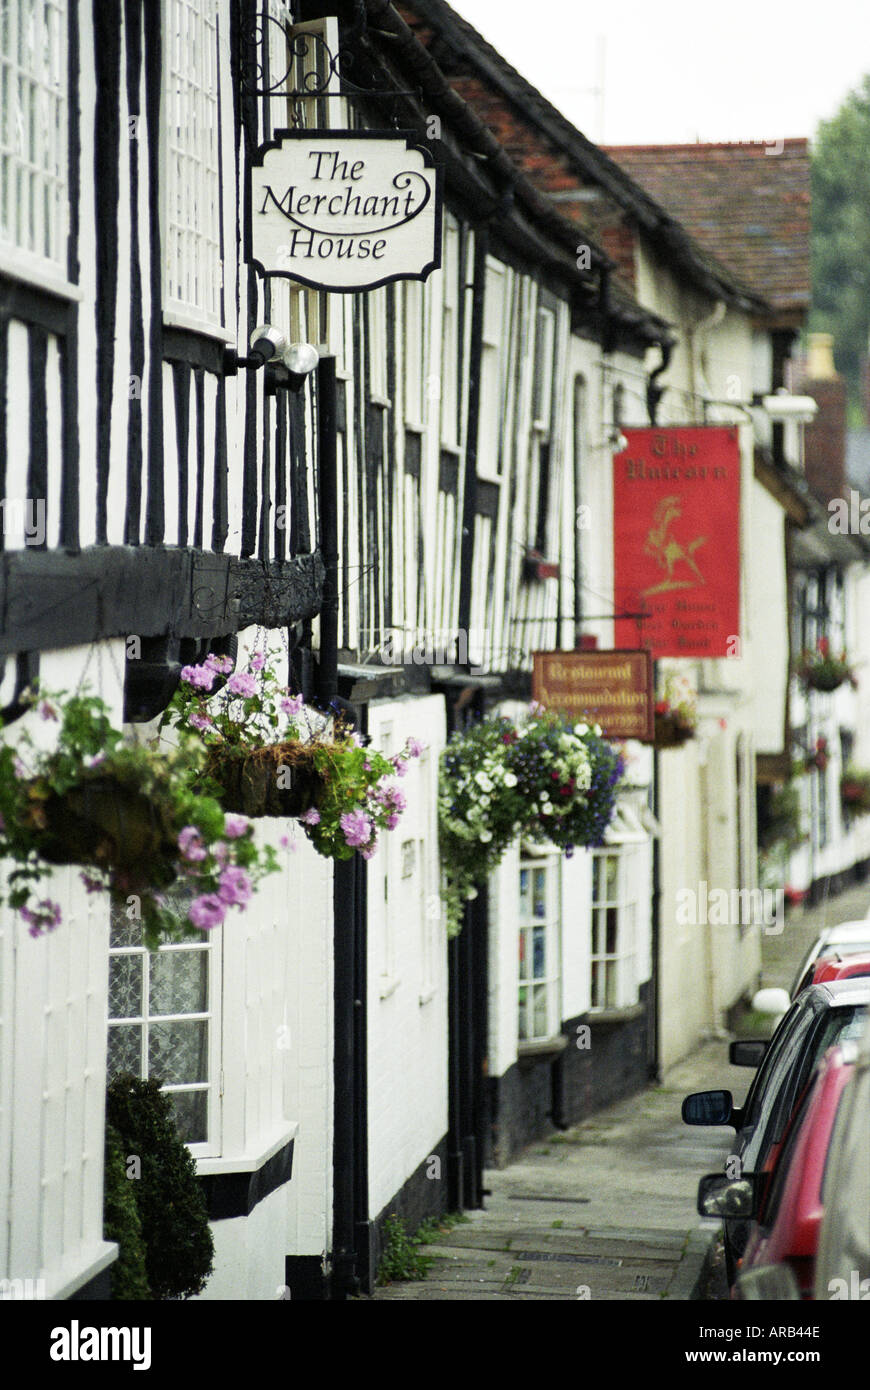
(606, 1210)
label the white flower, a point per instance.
(509, 779)
(485, 836)
(483, 781)
(581, 729)
(598, 730)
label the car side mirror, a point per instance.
(708, 1108)
(721, 1196)
(770, 1283)
(746, 1053)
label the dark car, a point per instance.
(821, 1016)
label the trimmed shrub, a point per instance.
(179, 1249)
(121, 1224)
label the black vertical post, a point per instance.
(344, 1177)
(653, 1004)
(327, 424)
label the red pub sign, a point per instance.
(676, 540)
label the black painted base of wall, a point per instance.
(306, 1278)
(423, 1195)
(542, 1093)
(98, 1289)
(828, 887)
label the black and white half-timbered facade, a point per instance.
(401, 522)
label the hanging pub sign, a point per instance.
(613, 689)
(676, 541)
(345, 210)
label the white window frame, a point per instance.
(414, 365)
(548, 862)
(212, 946)
(451, 392)
(192, 253)
(40, 77)
(624, 839)
(496, 364)
(542, 381)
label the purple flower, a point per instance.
(207, 911)
(414, 747)
(286, 843)
(368, 852)
(310, 817)
(200, 677)
(291, 705)
(392, 821)
(400, 765)
(18, 767)
(221, 852)
(357, 827)
(242, 684)
(46, 915)
(92, 884)
(235, 886)
(222, 665)
(257, 661)
(201, 721)
(235, 826)
(47, 711)
(191, 845)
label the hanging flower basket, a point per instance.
(675, 713)
(550, 781)
(266, 753)
(128, 815)
(855, 792)
(278, 780)
(672, 729)
(819, 670)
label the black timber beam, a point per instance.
(55, 598)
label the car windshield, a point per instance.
(774, 1101)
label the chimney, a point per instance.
(825, 438)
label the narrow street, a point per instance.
(606, 1210)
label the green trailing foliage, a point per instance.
(179, 1249)
(401, 1259)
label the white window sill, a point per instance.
(376, 399)
(389, 984)
(177, 318)
(44, 276)
(63, 1283)
(542, 1047)
(251, 1161)
(427, 995)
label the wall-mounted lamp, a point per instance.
(784, 406)
(287, 364)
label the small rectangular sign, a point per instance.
(345, 210)
(613, 689)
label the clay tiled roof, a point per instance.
(748, 208)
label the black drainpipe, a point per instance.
(653, 1004)
(469, 504)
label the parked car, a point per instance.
(836, 965)
(821, 1016)
(787, 1204)
(843, 1256)
(845, 936)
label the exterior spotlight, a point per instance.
(300, 359)
(267, 344)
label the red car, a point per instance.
(786, 1229)
(838, 965)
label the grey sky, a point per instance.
(680, 70)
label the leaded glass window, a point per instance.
(162, 1020)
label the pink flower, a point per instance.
(414, 747)
(47, 711)
(368, 852)
(200, 677)
(310, 817)
(18, 767)
(235, 886)
(222, 665)
(207, 911)
(242, 684)
(191, 845)
(392, 821)
(291, 704)
(235, 826)
(257, 661)
(221, 852)
(286, 843)
(357, 827)
(201, 721)
(92, 884)
(400, 765)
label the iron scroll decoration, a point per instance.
(317, 80)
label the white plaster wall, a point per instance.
(407, 963)
(249, 1254)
